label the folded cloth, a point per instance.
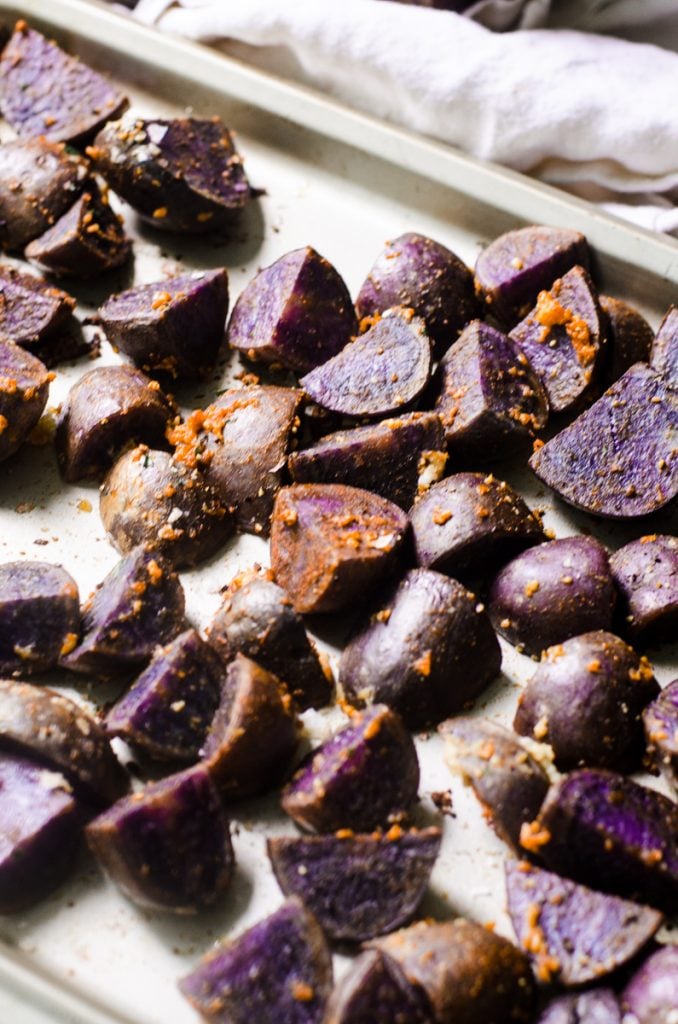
(579, 110)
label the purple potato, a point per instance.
(417, 273)
(139, 605)
(364, 776)
(24, 388)
(651, 996)
(515, 267)
(39, 616)
(357, 886)
(180, 175)
(150, 498)
(570, 932)
(629, 338)
(381, 373)
(396, 458)
(330, 544)
(241, 442)
(86, 241)
(618, 459)
(46, 92)
(597, 1006)
(60, 734)
(39, 180)
(168, 710)
(470, 523)
(645, 573)
(509, 783)
(491, 400)
(586, 700)
(39, 835)
(297, 313)
(471, 975)
(660, 720)
(427, 653)
(31, 311)
(174, 327)
(563, 339)
(108, 409)
(254, 734)
(167, 846)
(606, 831)
(375, 991)
(553, 592)
(257, 619)
(277, 972)
(664, 355)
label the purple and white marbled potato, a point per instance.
(167, 711)
(553, 592)
(428, 652)
(512, 270)
(357, 886)
(106, 410)
(331, 544)
(174, 327)
(297, 313)
(645, 573)
(39, 616)
(363, 777)
(469, 524)
(664, 354)
(418, 273)
(637, 420)
(563, 339)
(379, 374)
(571, 933)
(606, 831)
(651, 996)
(182, 175)
(596, 1006)
(138, 605)
(395, 458)
(59, 734)
(509, 783)
(277, 972)
(491, 401)
(586, 700)
(46, 92)
(168, 845)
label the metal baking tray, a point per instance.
(342, 182)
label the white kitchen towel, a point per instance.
(589, 112)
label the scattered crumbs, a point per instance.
(24, 506)
(84, 505)
(443, 801)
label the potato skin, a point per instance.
(660, 721)
(629, 338)
(148, 498)
(39, 615)
(24, 388)
(375, 991)
(38, 182)
(651, 996)
(586, 699)
(33, 310)
(364, 776)
(106, 409)
(427, 653)
(553, 592)
(471, 975)
(168, 846)
(509, 783)
(257, 619)
(664, 354)
(419, 273)
(183, 174)
(55, 731)
(469, 524)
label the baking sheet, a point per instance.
(342, 183)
